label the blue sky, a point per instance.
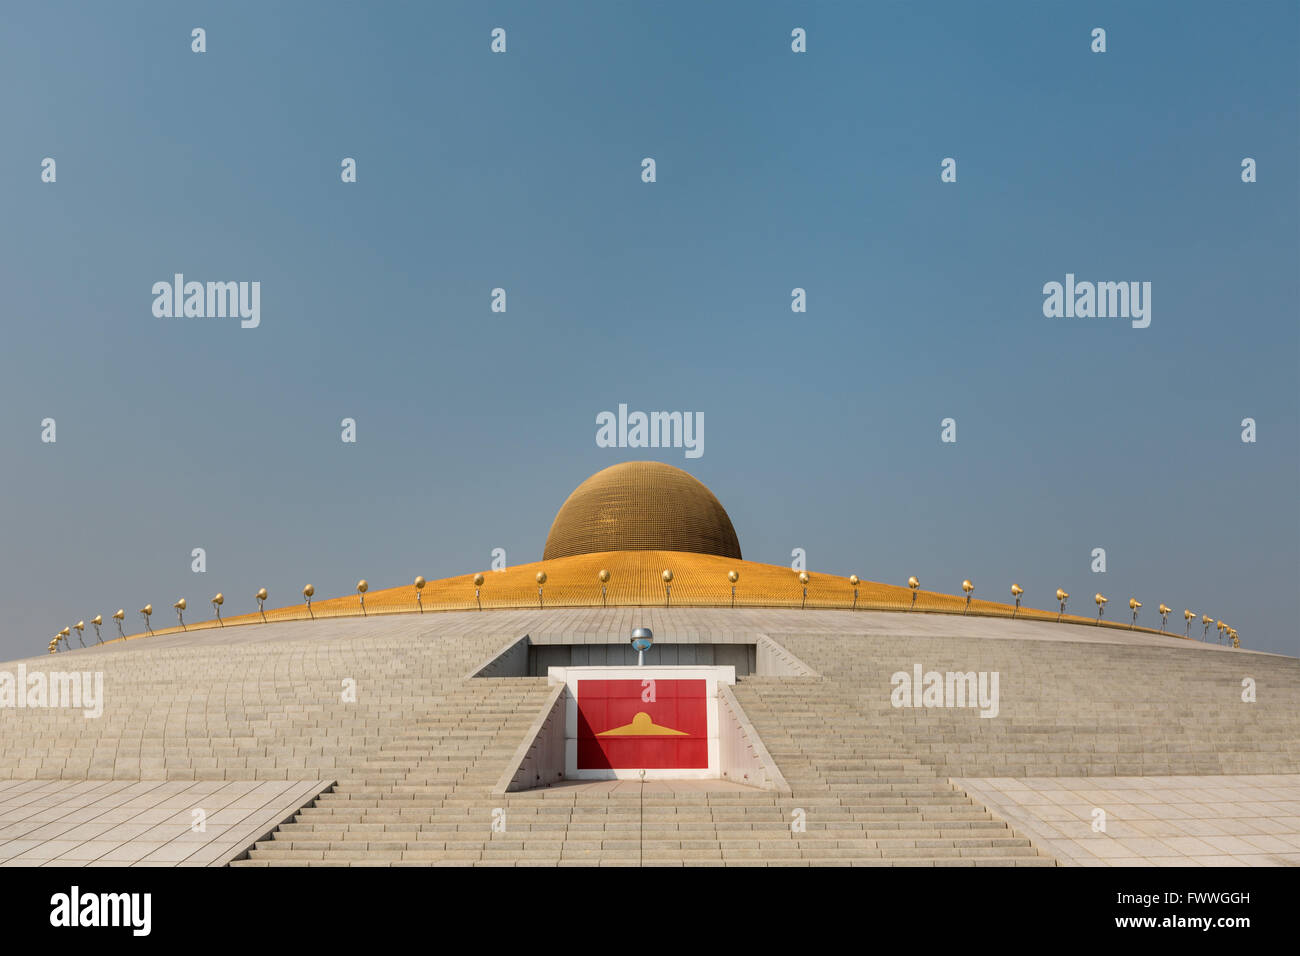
(775, 171)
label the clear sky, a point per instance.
(775, 170)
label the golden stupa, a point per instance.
(644, 534)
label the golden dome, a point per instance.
(641, 506)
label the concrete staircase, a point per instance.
(415, 755)
(1065, 709)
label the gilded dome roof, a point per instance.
(641, 506)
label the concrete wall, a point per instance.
(510, 661)
(541, 657)
(742, 756)
(773, 660)
(539, 761)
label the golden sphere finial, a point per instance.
(363, 586)
(1099, 598)
(419, 581)
(478, 580)
(219, 599)
(667, 576)
(854, 580)
(604, 575)
(541, 577)
(119, 615)
(803, 577)
(1017, 590)
(1134, 604)
(97, 619)
(180, 605)
(261, 594)
(308, 591)
(913, 583)
(967, 586)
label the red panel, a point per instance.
(678, 705)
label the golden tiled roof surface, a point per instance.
(636, 579)
(641, 506)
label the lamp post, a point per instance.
(119, 617)
(1016, 591)
(668, 587)
(97, 620)
(1101, 606)
(969, 589)
(1164, 610)
(307, 593)
(79, 627)
(604, 579)
(145, 612)
(733, 577)
(855, 581)
(1219, 624)
(419, 590)
(180, 612)
(541, 583)
(642, 640)
(803, 579)
(914, 584)
(217, 601)
(1134, 605)
(261, 600)
(1061, 595)
(478, 587)
(362, 588)
(1189, 617)
(66, 634)
(1207, 621)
